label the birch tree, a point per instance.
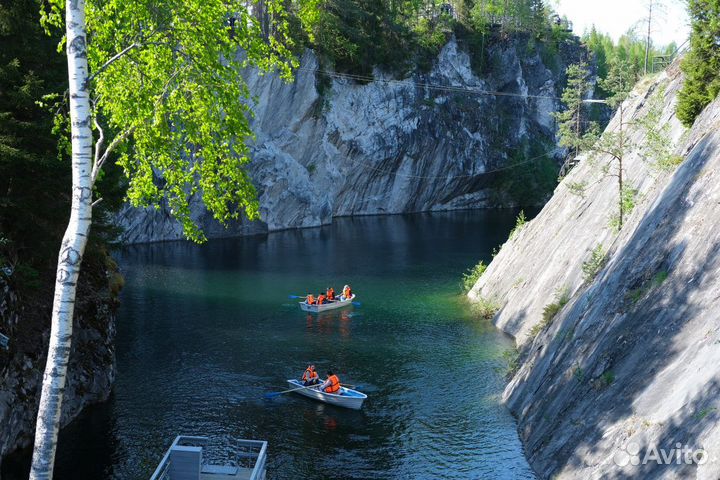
(156, 85)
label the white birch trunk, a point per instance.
(72, 248)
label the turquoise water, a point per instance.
(204, 332)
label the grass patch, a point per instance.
(705, 412)
(577, 188)
(520, 222)
(604, 380)
(567, 334)
(485, 308)
(562, 297)
(579, 373)
(472, 275)
(629, 198)
(660, 278)
(596, 262)
(634, 295)
(511, 356)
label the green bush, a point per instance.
(579, 373)
(658, 146)
(520, 222)
(485, 308)
(552, 309)
(577, 188)
(629, 197)
(594, 264)
(511, 356)
(562, 297)
(634, 295)
(472, 275)
(604, 380)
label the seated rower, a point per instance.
(310, 377)
(310, 300)
(321, 299)
(332, 384)
(330, 292)
(347, 292)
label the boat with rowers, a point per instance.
(327, 305)
(347, 398)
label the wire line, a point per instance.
(431, 86)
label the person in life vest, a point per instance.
(332, 384)
(347, 291)
(330, 292)
(321, 299)
(310, 377)
(310, 299)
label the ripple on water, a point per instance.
(204, 332)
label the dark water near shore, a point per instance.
(205, 331)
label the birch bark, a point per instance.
(72, 247)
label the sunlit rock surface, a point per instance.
(632, 362)
(388, 146)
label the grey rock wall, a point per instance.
(630, 364)
(387, 146)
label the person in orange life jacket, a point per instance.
(330, 292)
(310, 299)
(332, 384)
(347, 291)
(321, 299)
(310, 377)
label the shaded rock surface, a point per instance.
(630, 363)
(25, 319)
(389, 146)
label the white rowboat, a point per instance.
(348, 399)
(339, 303)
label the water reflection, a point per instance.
(205, 331)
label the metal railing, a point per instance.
(245, 454)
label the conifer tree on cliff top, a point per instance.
(702, 63)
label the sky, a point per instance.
(615, 17)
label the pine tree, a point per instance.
(702, 64)
(618, 82)
(575, 132)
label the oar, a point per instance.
(277, 394)
(296, 296)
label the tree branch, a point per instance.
(607, 152)
(115, 58)
(100, 161)
(98, 146)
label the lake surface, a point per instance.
(203, 332)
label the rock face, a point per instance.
(389, 146)
(91, 371)
(627, 370)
